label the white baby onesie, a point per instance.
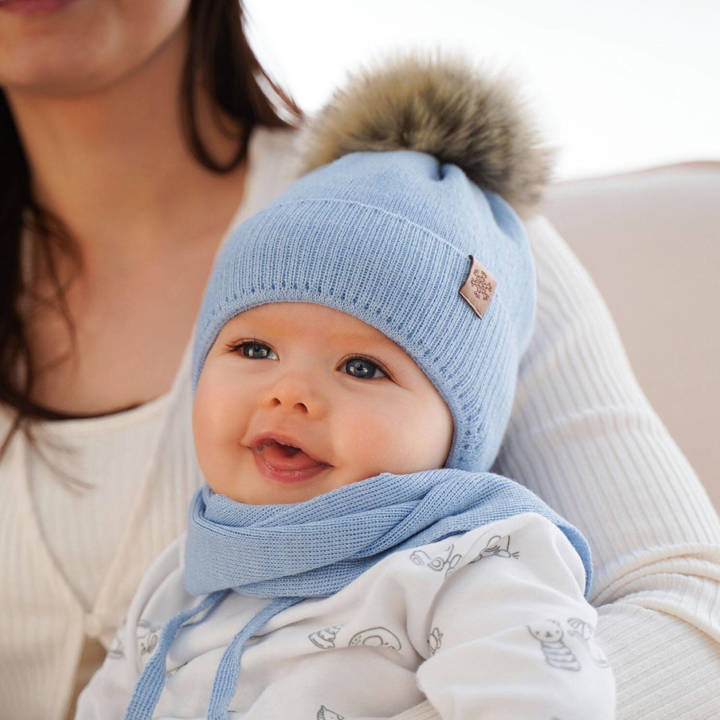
(491, 623)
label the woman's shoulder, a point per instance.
(273, 162)
(278, 141)
(276, 151)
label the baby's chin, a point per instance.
(255, 489)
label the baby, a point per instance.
(352, 555)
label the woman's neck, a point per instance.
(113, 163)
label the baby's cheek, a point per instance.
(204, 435)
(365, 443)
(418, 439)
(385, 445)
(215, 421)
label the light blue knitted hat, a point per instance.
(392, 237)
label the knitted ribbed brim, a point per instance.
(387, 238)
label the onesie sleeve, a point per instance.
(584, 438)
(108, 693)
(510, 633)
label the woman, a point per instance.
(94, 368)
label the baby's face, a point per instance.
(297, 399)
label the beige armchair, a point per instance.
(651, 242)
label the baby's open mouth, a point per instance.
(282, 461)
(287, 450)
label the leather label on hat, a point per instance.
(479, 287)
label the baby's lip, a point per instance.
(281, 458)
(257, 442)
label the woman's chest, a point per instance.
(129, 331)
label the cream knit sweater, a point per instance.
(582, 436)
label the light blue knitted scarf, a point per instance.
(314, 548)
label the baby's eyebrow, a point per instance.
(359, 340)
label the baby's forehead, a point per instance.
(305, 319)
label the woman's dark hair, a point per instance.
(220, 58)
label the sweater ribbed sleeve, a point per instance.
(584, 437)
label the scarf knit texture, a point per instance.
(314, 548)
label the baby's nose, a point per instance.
(277, 401)
(296, 393)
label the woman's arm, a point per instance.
(584, 437)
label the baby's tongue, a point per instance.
(283, 457)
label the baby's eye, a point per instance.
(362, 368)
(255, 350)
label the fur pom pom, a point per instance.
(441, 106)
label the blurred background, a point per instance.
(627, 91)
(620, 84)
